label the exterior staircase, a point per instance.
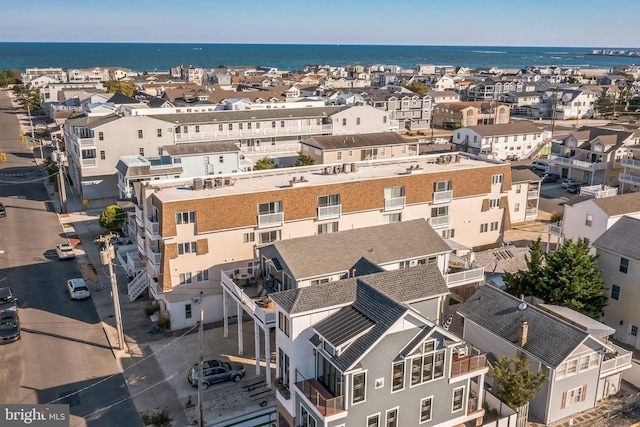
(138, 285)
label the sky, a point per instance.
(562, 23)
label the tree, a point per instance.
(264, 163)
(515, 384)
(304, 160)
(604, 105)
(27, 98)
(9, 77)
(112, 217)
(125, 88)
(571, 278)
(526, 282)
(417, 87)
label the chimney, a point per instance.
(524, 331)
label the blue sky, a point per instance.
(400, 22)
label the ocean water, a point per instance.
(160, 56)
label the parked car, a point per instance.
(9, 327)
(214, 371)
(3, 211)
(550, 177)
(8, 302)
(539, 165)
(574, 188)
(78, 289)
(567, 182)
(65, 251)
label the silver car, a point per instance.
(78, 289)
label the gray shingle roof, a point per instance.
(519, 127)
(549, 339)
(201, 148)
(620, 204)
(342, 142)
(523, 174)
(404, 285)
(337, 252)
(622, 238)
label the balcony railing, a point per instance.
(263, 131)
(533, 194)
(328, 212)
(612, 362)
(265, 315)
(140, 240)
(86, 142)
(465, 365)
(598, 191)
(152, 228)
(531, 212)
(139, 216)
(394, 203)
(325, 402)
(440, 221)
(591, 166)
(631, 163)
(442, 196)
(629, 179)
(560, 160)
(271, 220)
(461, 272)
(154, 257)
(89, 162)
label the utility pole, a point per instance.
(200, 363)
(107, 254)
(59, 157)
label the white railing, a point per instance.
(152, 227)
(271, 220)
(598, 191)
(268, 148)
(139, 216)
(472, 272)
(86, 142)
(154, 257)
(632, 163)
(265, 130)
(533, 194)
(628, 178)
(440, 221)
(531, 212)
(394, 203)
(622, 361)
(140, 240)
(264, 315)
(126, 190)
(593, 166)
(442, 196)
(561, 160)
(89, 162)
(134, 264)
(136, 287)
(328, 212)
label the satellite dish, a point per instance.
(522, 306)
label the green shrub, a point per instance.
(164, 323)
(151, 309)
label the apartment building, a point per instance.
(524, 196)
(412, 111)
(189, 233)
(506, 141)
(594, 155)
(95, 144)
(455, 114)
(629, 178)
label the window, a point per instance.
(516, 207)
(101, 136)
(458, 394)
(187, 248)
(397, 382)
(186, 217)
(634, 330)
(484, 228)
(315, 282)
(273, 124)
(140, 134)
(269, 208)
(439, 211)
(240, 126)
(373, 420)
(230, 126)
(187, 311)
(220, 127)
(269, 236)
(494, 225)
(338, 155)
(391, 218)
(574, 396)
(357, 120)
(384, 119)
(307, 419)
(283, 323)
(624, 265)
(248, 237)
(442, 186)
(141, 151)
(425, 409)
(572, 367)
(202, 276)
(103, 155)
(428, 366)
(589, 220)
(329, 227)
(220, 159)
(448, 234)
(358, 388)
(615, 292)
(496, 179)
(494, 203)
(350, 153)
(249, 125)
(344, 122)
(283, 367)
(281, 123)
(159, 133)
(391, 418)
(185, 278)
(518, 189)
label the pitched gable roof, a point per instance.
(620, 204)
(549, 339)
(341, 142)
(516, 128)
(622, 238)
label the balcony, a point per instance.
(442, 196)
(629, 179)
(154, 257)
(271, 220)
(329, 212)
(139, 216)
(618, 360)
(598, 191)
(252, 300)
(531, 212)
(440, 221)
(630, 163)
(560, 160)
(467, 364)
(127, 192)
(461, 272)
(140, 240)
(533, 194)
(317, 395)
(589, 166)
(86, 142)
(394, 203)
(89, 162)
(152, 228)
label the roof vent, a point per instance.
(522, 306)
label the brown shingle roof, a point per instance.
(620, 204)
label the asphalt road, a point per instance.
(63, 356)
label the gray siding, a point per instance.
(428, 308)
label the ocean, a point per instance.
(160, 56)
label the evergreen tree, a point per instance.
(515, 384)
(526, 282)
(304, 160)
(264, 163)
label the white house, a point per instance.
(505, 141)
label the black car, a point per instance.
(214, 371)
(551, 177)
(574, 188)
(3, 211)
(8, 302)
(9, 327)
